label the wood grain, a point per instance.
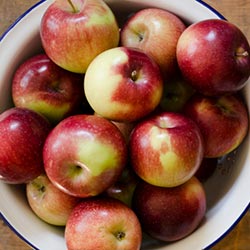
(236, 12)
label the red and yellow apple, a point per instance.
(103, 224)
(48, 202)
(166, 149)
(39, 84)
(84, 155)
(123, 84)
(156, 32)
(74, 32)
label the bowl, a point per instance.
(227, 190)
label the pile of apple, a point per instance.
(113, 122)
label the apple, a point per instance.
(175, 95)
(166, 149)
(214, 57)
(23, 133)
(48, 202)
(74, 32)
(123, 84)
(39, 84)
(170, 214)
(124, 188)
(156, 32)
(103, 224)
(223, 122)
(84, 155)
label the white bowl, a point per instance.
(227, 191)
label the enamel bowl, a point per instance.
(227, 190)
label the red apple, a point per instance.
(123, 84)
(84, 155)
(46, 88)
(48, 202)
(170, 214)
(103, 224)
(214, 57)
(156, 32)
(74, 32)
(23, 133)
(223, 122)
(166, 149)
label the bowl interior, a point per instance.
(227, 190)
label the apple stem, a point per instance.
(72, 6)
(134, 75)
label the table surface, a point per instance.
(236, 12)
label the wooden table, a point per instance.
(237, 12)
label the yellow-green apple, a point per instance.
(176, 93)
(103, 224)
(23, 133)
(73, 32)
(223, 122)
(48, 202)
(170, 214)
(123, 84)
(39, 84)
(156, 32)
(166, 149)
(84, 155)
(214, 57)
(123, 189)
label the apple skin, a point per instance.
(23, 133)
(39, 84)
(214, 57)
(48, 202)
(108, 221)
(73, 35)
(166, 149)
(170, 214)
(128, 85)
(223, 122)
(156, 32)
(84, 155)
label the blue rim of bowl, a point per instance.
(5, 219)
